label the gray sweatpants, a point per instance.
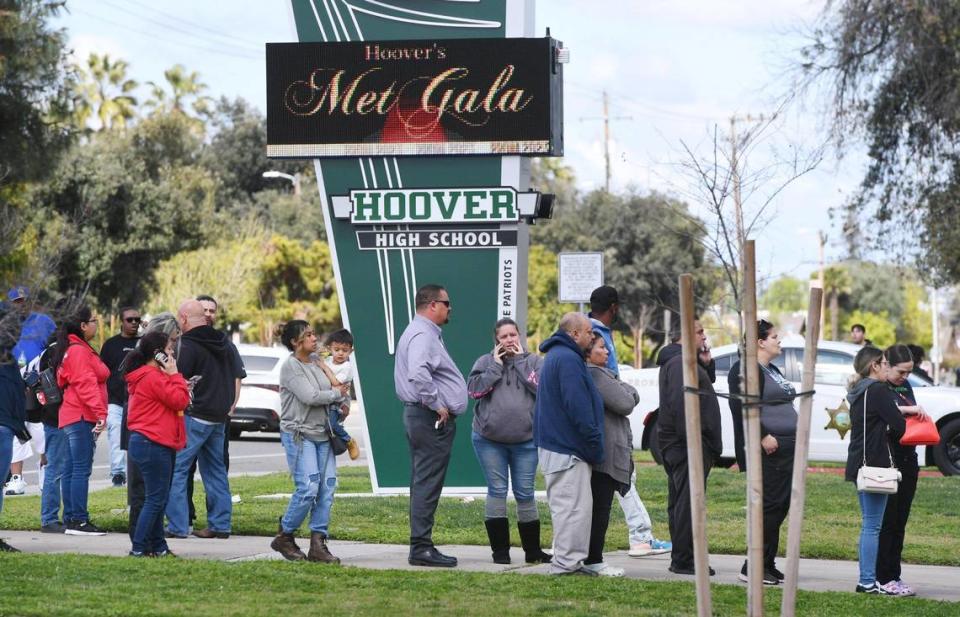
(571, 509)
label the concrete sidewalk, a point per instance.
(932, 582)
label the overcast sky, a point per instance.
(673, 70)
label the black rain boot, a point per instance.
(498, 530)
(530, 540)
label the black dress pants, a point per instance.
(895, 516)
(429, 456)
(602, 486)
(777, 486)
(678, 504)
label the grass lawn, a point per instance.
(830, 531)
(103, 586)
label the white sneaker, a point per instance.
(16, 486)
(603, 569)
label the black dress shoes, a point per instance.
(432, 558)
(688, 570)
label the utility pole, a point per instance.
(606, 135)
(735, 173)
(822, 243)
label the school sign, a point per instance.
(417, 114)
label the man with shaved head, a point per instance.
(568, 430)
(204, 358)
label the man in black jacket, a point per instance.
(672, 435)
(113, 352)
(204, 357)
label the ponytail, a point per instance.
(70, 325)
(148, 346)
(864, 359)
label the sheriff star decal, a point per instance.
(839, 418)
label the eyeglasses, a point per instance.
(94, 320)
(444, 302)
(133, 319)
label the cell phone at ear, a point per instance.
(160, 357)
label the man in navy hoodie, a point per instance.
(568, 430)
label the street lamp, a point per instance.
(295, 179)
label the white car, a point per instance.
(259, 406)
(833, 368)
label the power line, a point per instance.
(258, 45)
(155, 36)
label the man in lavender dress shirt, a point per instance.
(433, 393)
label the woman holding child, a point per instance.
(504, 385)
(305, 398)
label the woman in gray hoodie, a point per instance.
(614, 473)
(504, 385)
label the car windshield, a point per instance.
(260, 364)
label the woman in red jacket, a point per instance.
(83, 414)
(158, 396)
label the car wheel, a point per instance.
(947, 454)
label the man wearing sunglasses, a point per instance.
(112, 353)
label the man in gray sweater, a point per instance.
(433, 393)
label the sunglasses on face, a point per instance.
(133, 319)
(444, 302)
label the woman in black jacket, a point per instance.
(873, 411)
(897, 511)
(778, 428)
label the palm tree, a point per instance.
(182, 86)
(105, 91)
(836, 282)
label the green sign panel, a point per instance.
(396, 223)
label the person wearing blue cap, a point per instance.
(35, 329)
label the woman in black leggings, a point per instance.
(778, 426)
(905, 459)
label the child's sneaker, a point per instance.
(353, 449)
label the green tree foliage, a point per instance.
(120, 204)
(785, 295)
(647, 241)
(104, 91)
(236, 155)
(543, 309)
(33, 90)
(33, 97)
(892, 70)
(880, 328)
(257, 278)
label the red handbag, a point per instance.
(920, 433)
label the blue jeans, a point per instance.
(872, 506)
(498, 459)
(6, 453)
(56, 450)
(205, 444)
(639, 529)
(118, 458)
(75, 482)
(338, 430)
(155, 463)
(314, 470)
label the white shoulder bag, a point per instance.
(883, 480)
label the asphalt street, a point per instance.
(254, 453)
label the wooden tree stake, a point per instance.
(798, 494)
(698, 505)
